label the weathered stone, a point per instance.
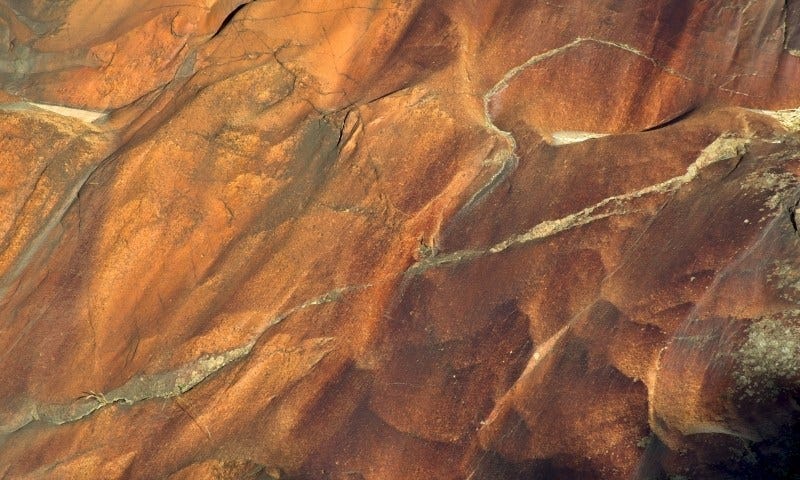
(376, 240)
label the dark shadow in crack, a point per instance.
(674, 120)
(229, 18)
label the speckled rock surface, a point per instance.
(391, 240)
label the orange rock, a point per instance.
(387, 240)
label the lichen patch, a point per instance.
(769, 359)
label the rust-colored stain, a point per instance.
(375, 240)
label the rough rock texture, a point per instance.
(399, 239)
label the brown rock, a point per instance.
(492, 240)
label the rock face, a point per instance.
(390, 240)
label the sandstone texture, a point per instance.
(357, 240)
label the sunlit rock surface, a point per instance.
(391, 240)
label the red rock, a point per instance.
(399, 239)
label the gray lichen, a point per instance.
(785, 278)
(769, 359)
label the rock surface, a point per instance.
(391, 240)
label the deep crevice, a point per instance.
(228, 19)
(674, 120)
(793, 212)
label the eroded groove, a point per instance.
(507, 158)
(723, 148)
(35, 243)
(160, 385)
